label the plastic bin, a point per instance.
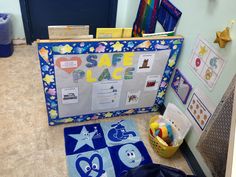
(6, 45)
(180, 127)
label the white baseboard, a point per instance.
(19, 41)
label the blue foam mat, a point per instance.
(106, 149)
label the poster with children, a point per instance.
(206, 63)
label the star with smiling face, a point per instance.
(83, 138)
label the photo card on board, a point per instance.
(181, 86)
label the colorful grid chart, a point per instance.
(206, 63)
(199, 111)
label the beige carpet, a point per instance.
(28, 146)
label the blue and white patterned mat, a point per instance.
(106, 149)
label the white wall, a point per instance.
(200, 17)
(205, 18)
(126, 13)
(122, 9)
(13, 7)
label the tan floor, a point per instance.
(28, 146)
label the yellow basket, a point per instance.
(160, 148)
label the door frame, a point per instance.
(24, 5)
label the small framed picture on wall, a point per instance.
(181, 86)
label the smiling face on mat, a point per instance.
(130, 155)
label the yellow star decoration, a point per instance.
(222, 38)
(68, 120)
(109, 114)
(66, 49)
(91, 49)
(53, 114)
(202, 50)
(48, 78)
(171, 63)
(117, 46)
(161, 94)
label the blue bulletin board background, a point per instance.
(47, 49)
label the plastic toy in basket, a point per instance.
(165, 132)
(166, 141)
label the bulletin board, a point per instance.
(95, 79)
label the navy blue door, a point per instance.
(39, 14)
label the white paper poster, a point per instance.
(133, 97)
(145, 62)
(152, 83)
(70, 95)
(200, 109)
(106, 95)
(206, 63)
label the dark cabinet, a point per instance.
(38, 15)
